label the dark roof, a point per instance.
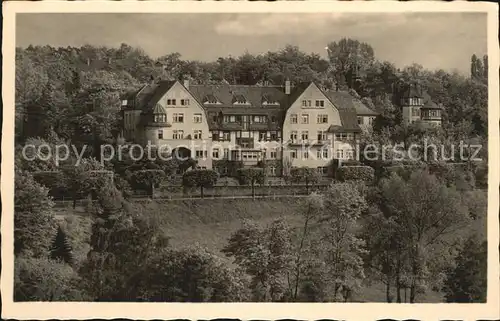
(227, 94)
(161, 89)
(345, 99)
(428, 103)
(412, 91)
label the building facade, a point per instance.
(227, 126)
(417, 106)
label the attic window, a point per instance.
(124, 102)
(210, 99)
(268, 100)
(239, 100)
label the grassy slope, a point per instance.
(210, 222)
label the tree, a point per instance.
(41, 279)
(34, 222)
(83, 179)
(265, 255)
(191, 275)
(251, 176)
(306, 175)
(425, 211)
(202, 178)
(341, 249)
(348, 56)
(148, 179)
(61, 248)
(312, 208)
(123, 241)
(467, 281)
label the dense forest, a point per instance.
(425, 215)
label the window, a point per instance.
(293, 153)
(293, 119)
(360, 120)
(185, 102)
(305, 154)
(178, 134)
(305, 119)
(124, 102)
(226, 136)
(197, 134)
(160, 118)
(272, 171)
(371, 120)
(306, 103)
(239, 99)
(340, 154)
(160, 134)
(231, 119)
(415, 112)
(305, 135)
(259, 119)
(325, 153)
(349, 136)
(320, 103)
(178, 118)
(273, 119)
(273, 154)
(215, 118)
(197, 118)
(340, 136)
(349, 154)
(210, 99)
(199, 153)
(262, 136)
(215, 153)
(274, 135)
(322, 119)
(293, 135)
(322, 136)
(171, 102)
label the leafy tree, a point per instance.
(124, 238)
(312, 209)
(348, 56)
(61, 249)
(34, 223)
(341, 249)
(202, 178)
(265, 255)
(148, 179)
(41, 279)
(83, 179)
(191, 275)
(306, 175)
(425, 211)
(467, 281)
(251, 176)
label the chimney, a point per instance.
(186, 83)
(287, 87)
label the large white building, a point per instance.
(227, 126)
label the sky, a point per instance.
(434, 40)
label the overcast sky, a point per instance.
(434, 40)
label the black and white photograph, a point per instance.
(232, 156)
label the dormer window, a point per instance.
(239, 100)
(268, 100)
(210, 99)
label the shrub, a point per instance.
(403, 171)
(359, 173)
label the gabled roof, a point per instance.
(162, 88)
(345, 99)
(428, 103)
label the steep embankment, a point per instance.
(210, 222)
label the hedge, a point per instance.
(358, 173)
